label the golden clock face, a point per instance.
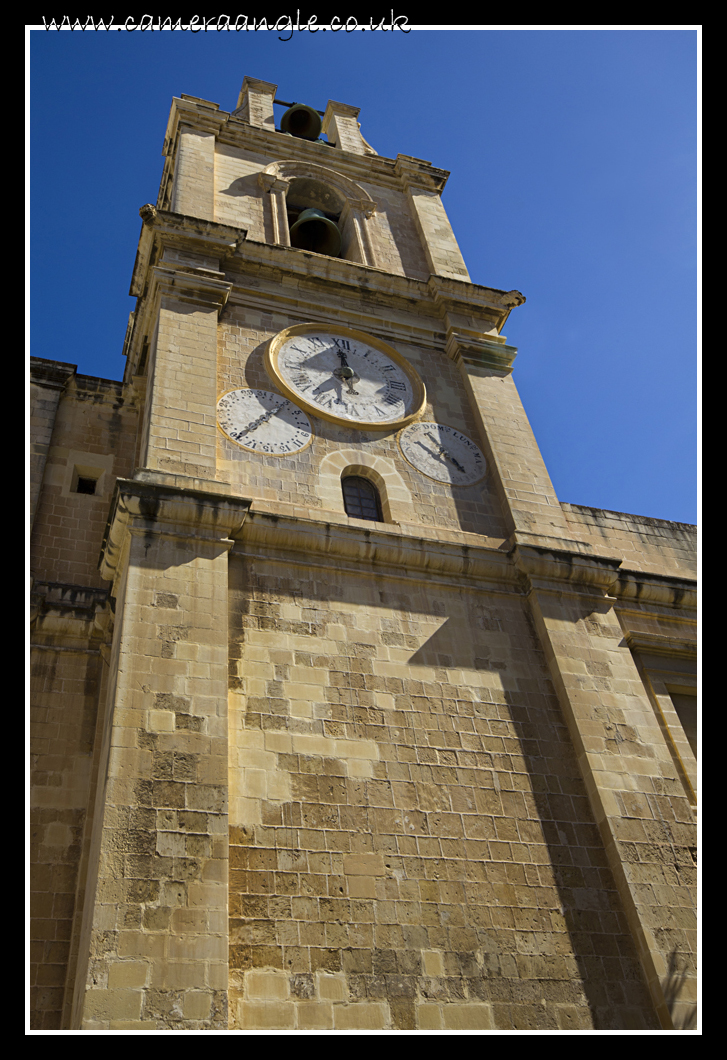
(345, 376)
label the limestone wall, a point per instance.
(411, 840)
(93, 434)
(650, 545)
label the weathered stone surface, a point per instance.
(299, 770)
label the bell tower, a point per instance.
(377, 746)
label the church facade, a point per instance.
(339, 718)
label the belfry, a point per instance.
(340, 719)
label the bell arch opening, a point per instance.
(314, 212)
(341, 206)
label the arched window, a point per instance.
(361, 498)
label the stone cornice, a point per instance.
(202, 115)
(233, 130)
(637, 587)
(157, 503)
(373, 550)
(369, 168)
(473, 314)
(407, 295)
(67, 616)
(485, 306)
(558, 569)
(661, 644)
(461, 295)
(52, 374)
(416, 173)
(194, 286)
(149, 505)
(162, 228)
(478, 354)
(156, 507)
(577, 567)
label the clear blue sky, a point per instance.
(573, 159)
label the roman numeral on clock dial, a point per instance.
(345, 376)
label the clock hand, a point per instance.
(443, 452)
(262, 419)
(455, 462)
(427, 449)
(347, 375)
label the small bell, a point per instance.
(301, 121)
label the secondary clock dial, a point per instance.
(442, 453)
(345, 376)
(263, 422)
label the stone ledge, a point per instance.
(53, 374)
(152, 506)
(375, 548)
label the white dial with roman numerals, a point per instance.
(345, 376)
(263, 422)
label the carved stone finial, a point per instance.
(147, 213)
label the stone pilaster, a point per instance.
(356, 232)
(154, 949)
(193, 192)
(341, 127)
(277, 189)
(530, 505)
(47, 383)
(424, 186)
(255, 103)
(635, 791)
(180, 434)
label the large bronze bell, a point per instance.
(302, 121)
(314, 231)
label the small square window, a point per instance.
(86, 485)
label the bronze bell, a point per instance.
(302, 121)
(314, 231)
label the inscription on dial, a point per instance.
(345, 378)
(442, 453)
(263, 422)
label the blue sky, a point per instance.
(573, 159)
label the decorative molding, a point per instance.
(417, 173)
(661, 644)
(192, 286)
(375, 549)
(480, 354)
(396, 499)
(55, 375)
(667, 591)
(153, 506)
(290, 168)
(163, 228)
(272, 182)
(552, 569)
(60, 613)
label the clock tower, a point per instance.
(379, 742)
